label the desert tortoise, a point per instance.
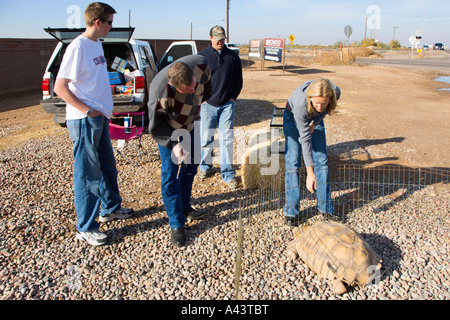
(335, 252)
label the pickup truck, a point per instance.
(232, 46)
(140, 66)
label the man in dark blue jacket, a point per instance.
(218, 109)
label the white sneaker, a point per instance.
(232, 184)
(121, 213)
(94, 238)
(202, 175)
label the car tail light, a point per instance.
(46, 86)
(139, 83)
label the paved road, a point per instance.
(441, 64)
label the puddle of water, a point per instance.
(443, 79)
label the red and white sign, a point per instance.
(273, 49)
(256, 49)
(274, 43)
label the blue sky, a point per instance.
(311, 22)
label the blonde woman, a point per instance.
(304, 131)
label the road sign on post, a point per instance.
(414, 41)
(348, 32)
(292, 38)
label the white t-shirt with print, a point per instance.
(85, 65)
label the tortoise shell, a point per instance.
(336, 252)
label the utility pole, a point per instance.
(228, 11)
(393, 35)
(365, 30)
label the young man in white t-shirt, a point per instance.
(83, 83)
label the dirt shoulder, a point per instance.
(396, 110)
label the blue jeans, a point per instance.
(223, 118)
(176, 182)
(293, 157)
(94, 171)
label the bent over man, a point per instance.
(174, 105)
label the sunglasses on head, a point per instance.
(109, 21)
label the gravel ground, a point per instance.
(41, 259)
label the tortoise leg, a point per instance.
(339, 287)
(291, 251)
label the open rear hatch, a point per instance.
(66, 35)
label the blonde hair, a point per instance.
(97, 10)
(321, 88)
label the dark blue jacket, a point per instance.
(226, 75)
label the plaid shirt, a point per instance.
(183, 109)
(169, 109)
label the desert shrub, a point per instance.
(332, 57)
(394, 44)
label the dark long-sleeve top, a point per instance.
(226, 75)
(298, 105)
(168, 109)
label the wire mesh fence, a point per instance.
(356, 192)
